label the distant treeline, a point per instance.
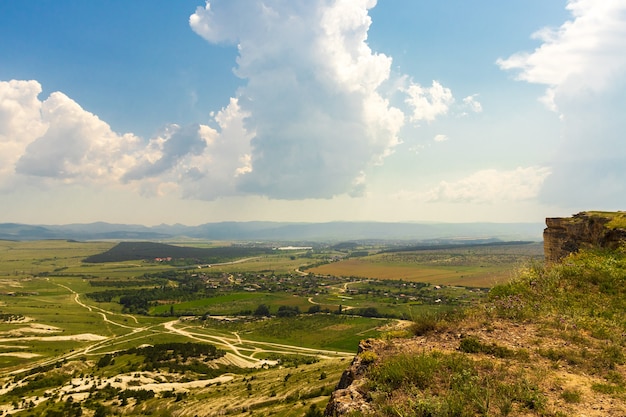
(125, 284)
(11, 317)
(138, 301)
(135, 251)
(469, 244)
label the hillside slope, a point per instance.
(550, 343)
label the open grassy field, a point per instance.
(323, 331)
(281, 262)
(32, 258)
(475, 266)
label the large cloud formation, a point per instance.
(312, 119)
(56, 138)
(583, 65)
(311, 95)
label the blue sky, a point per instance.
(310, 110)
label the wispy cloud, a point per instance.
(472, 104)
(490, 186)
(583, 66)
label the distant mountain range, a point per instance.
(280, 231)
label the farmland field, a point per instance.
(265, 314)
(475, 266)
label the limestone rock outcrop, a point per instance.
(565, 235)
(562, 236)
(347, 396)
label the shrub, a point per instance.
(313, 411)
(571, 396)
(262, 311)
(472, 344)
(433, 321)
(368, 357)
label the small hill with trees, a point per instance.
(135, 251)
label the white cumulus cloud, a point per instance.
(225, 158)
(57, 141)
(77, 146)
(313, 119)
(20, 123)
(312, 95)
(428, 102)
(56, 138)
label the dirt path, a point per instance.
(238, 261)
(100, 340)
(258, 347)
(241, 352)
(239, 358)
(102, 312)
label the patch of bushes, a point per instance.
(40, 382)
(431, 321)
(9, 317)
(439, 384)
(367, 357)
(571, 396)
(471, 344)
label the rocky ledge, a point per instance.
(565, 235)
(348, 395)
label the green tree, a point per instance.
(262, 311)
(314, 309)
(105, 360)
(101, 411)
(288, 311)
(313, 411)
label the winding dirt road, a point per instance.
(243, 351)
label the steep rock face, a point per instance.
(565, 235)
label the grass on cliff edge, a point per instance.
(560, 353)
(617, 220)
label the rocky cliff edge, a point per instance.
(565, 235)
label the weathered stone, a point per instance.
(348, 395)
(565, 235)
